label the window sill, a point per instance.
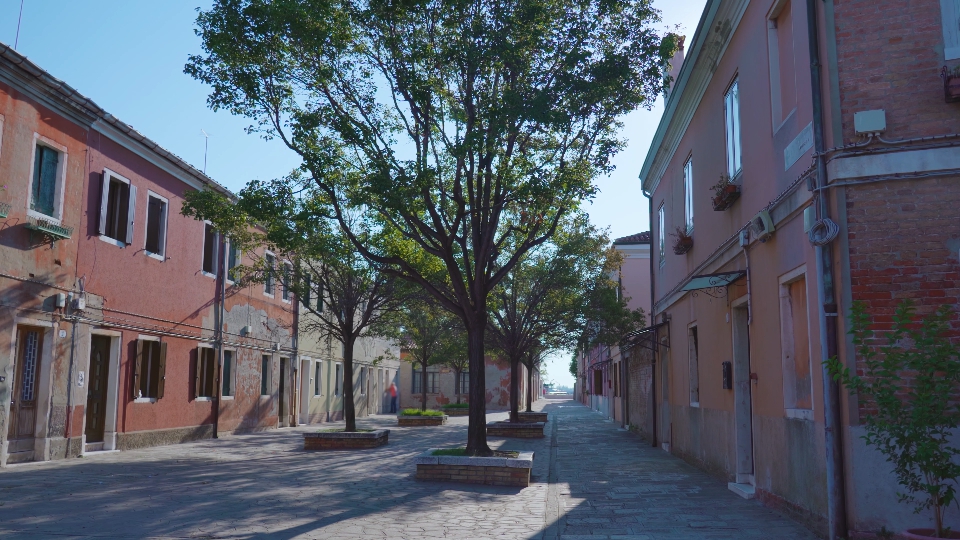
(695, 404)
(286, 301)
(800, 414)
(113, 241)
(268, 295)
(203, 398)
(317, 396)
(156, 256)
(226, 398)
(145, 400)
(208, 274)
(40, 215)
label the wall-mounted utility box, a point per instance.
(762, 226)
(870, 122)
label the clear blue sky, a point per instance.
(128, 56)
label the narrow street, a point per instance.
(597, 483)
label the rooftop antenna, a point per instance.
(20, 18)
(206, 141)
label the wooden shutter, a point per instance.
(197, 371)
(162, 373)
(104, 200)
(131, 213)
(137, 362)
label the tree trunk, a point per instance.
(423, 384)
(514, 389)
(477, 429)
(529, 389)
(349, 410)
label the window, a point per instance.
(156, 226)
(319, 296)
(431, 382)
(233, 259)
(598, 382)
(338, 380)
(463, 384)
(210, 240)
(688, 194)
(616, 379)
(693, 348)
(48, 167)
(229, 368)
(205, 374)
(149, 369)
(731, 110)
(268, 285)
(363, 381)
(661, 234)
(781, 51)
(795, 343)
(317, 379)
(265, 373)
(287, 275)
(306, 291)
(950, 9)
(117, 208)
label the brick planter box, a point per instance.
(414, 421)
(533, 417)
(456, 411)
(338, 440)
(531, 430)
(492, 471)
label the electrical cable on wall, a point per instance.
(823, 232)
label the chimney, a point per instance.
(675, 64)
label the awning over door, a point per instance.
(713, 281)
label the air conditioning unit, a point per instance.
(762, 226)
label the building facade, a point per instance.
(443, 388)
(838, 183)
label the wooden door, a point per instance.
(97, 388)
(23, 404)
(742, 392)
(282, 394)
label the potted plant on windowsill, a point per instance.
(683, 242)
(951, 84)
(908, 372)
(725, 193)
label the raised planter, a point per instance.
(455, 411)
(414, 421)
(491, 471)
(339, 440)
(527, 430)
(526, 416)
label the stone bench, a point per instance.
(491, 471)
(414, 421)
(339, 440)
(523, 430)
(533, 417)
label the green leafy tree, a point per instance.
(573, 367)
(910, 381)
(430, 335)
(469, 128)
(344, 294)
(538, 306)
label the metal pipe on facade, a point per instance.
(220, 301)
(836, 492)
(656, 348)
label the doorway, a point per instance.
(97, 390)
(743, 402)
(23, 401)
(284, 421)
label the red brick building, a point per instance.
(835, 181)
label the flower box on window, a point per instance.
(683, 242)
(49, 230)
(4, 209)
(951, 84)
(725, 193)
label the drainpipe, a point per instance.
(218, 308)
(656, 333)
(836, 502)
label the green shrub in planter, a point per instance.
(912, 380)
(418, 412)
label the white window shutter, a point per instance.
(950, 9)
(104, 198)
(131, 213)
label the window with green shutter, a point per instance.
(44, 188)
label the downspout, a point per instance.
(656, 345)
(836, 492)
(219, 296)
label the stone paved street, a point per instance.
(598, 483)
